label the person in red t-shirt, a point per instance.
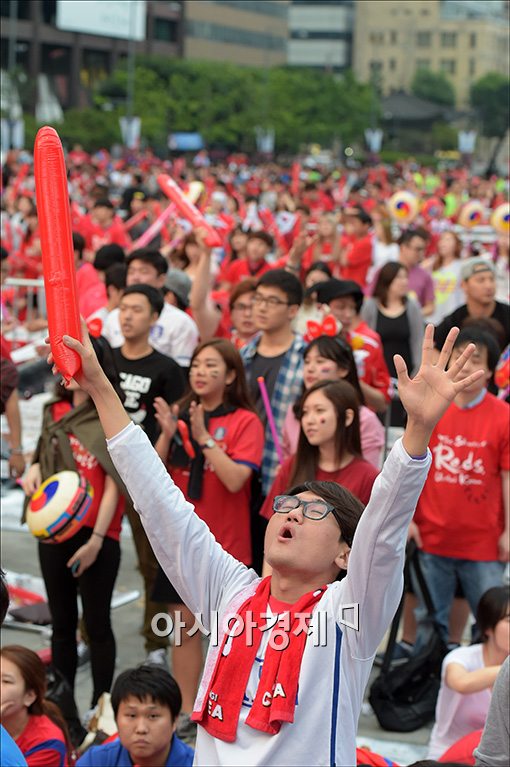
(356, 246)
(236, 250)
(72, 439)
(345, 299)
(258, 246)
(34, 723)
(329, 446)
(462, 520)
(325, 245)
(102, 227)
(227, 438)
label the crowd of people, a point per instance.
(268, 375)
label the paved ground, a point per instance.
(19, 554)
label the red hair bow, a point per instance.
(329, 327)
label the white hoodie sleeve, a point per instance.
(203, 573)
(374, 578)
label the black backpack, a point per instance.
(404, 697)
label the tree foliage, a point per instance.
(489, 97)
(433, 86)
(225, 102)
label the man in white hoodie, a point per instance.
(284, 684)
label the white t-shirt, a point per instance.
(174, 334)
(456, 714)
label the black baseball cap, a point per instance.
(330, 289)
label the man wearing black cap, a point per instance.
(345, 299)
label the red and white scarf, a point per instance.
(275, 699)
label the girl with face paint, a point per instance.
(331, 358)
(227, 440)
(329, 445)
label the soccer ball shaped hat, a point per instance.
(60, 506)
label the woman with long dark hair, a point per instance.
(213, 464)
(331, 358)
(36, 724)
(469, 673)
(398, 320)
(329, 445)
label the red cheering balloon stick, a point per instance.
(57, 249)
(187, 210)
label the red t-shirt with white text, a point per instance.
(460, 511)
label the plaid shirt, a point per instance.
(287, 388)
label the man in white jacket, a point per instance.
(307, 549)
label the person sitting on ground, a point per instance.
(146, 702)
(36, 724)
(248, 708)
(468, 674)
(10, 752)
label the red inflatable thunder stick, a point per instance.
(57, 249)
(188, 210)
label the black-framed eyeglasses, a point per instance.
(316, 509)
(271, 301)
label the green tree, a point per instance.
(225, 102)
(433, 86)
(489, 98)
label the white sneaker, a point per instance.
(156, 658)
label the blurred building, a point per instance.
(66, 46)
(465, 39)
(251, 32)
(320, 34)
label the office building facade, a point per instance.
(463, 39)
(247, 32)
(320, 34)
